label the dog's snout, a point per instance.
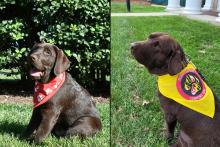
(33, 57)
(133, 45)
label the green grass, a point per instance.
(14, 119)
(120, 7)
(131, 84)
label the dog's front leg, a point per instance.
(170, 126)
(170, 109)
(49, 118)
(33, 124)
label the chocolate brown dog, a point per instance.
(70, 110)
(162, 55)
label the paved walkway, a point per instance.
(144, 14)
(204, 18)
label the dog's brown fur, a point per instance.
(161, 54)
(71, 110)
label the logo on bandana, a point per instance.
(190, 85)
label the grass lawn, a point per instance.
(132, 123)
(14, 119)
(120, 7)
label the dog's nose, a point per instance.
(33, 57)
(133, 45)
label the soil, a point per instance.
(15, 99)
(16, 92)
(134, 1)
(212, 13)
(12, 99)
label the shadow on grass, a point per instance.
(12, 128)
(16, 129)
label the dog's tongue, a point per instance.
(36, 73)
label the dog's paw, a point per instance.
(169, 140)
(37, 140)
(169, 137)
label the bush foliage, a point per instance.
(80, 28)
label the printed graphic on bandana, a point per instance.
(190, 85)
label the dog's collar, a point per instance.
(43, 92)
(186, 61)
(189, 89)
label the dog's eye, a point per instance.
(156, 44)
(47, 52)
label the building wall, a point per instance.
(182, 3)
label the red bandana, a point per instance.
(43, 92)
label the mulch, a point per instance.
(12, 99)
(134, 2)
(17, 92)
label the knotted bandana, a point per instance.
(189, 89)
(43, 92)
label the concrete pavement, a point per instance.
(144, 14)
(204, 18)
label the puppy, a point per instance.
(164, 57)
(61, 105)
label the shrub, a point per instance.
(80, 28)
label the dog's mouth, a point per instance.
(36, 73)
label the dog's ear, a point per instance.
(175, 61)
(62, 63)
(156, 34)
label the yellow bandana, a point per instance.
(188, 88)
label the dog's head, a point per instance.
(160, 53)
(46, 61)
